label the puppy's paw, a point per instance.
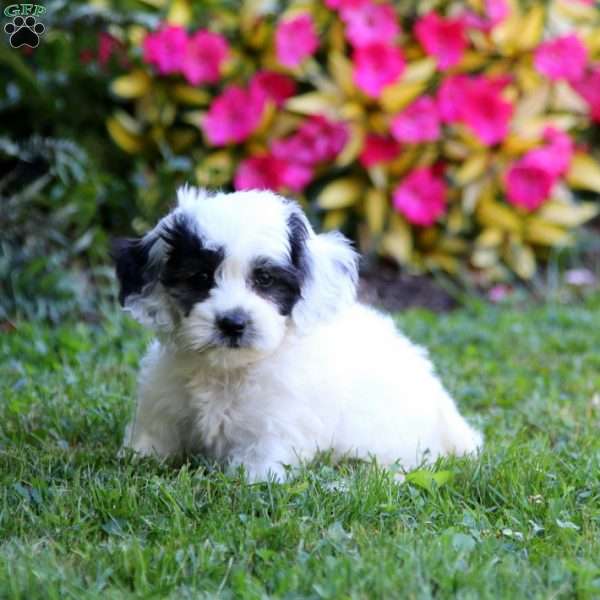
(142, 444)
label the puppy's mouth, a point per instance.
(234, 341)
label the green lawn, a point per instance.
(522, 521)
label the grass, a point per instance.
(521, 521)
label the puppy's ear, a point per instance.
(331, 281)
(137, 273)
(131, 260)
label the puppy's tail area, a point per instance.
(458, 436)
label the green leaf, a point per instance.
(429, 480)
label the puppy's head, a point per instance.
(230, 275)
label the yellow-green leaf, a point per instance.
(534, 103)
(440, 260)
(565, 98)
(215, 170)
(568, 215)
(128, 122)
(545, 234)
(484, 258)
(340, 68)
(334, 219)
(340, 193)
(489, 238)
(127, 141)
(399, 95)
(181, 139)
(494, 214)
(186, 94)
(452, 245)
(353, 146)
(584, 173)
(193, 117)
(313, 103)
(376, 206)
(456, 219)
(180, 12)
(531, 27)
(133, 85)
(521, 259)
(419, 71)
(398, 242)
(378, 175)
(472, 61)
(471, 169)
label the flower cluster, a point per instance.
(455, 139)
(199, 57)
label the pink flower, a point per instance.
(443, 38)
(556, 155)
(296, 177)
(317, 140)
(371, 23)
(589, 89)
(274, 85)
(483, 109)
(499, 292)
(417, 123)
(421, 196)
(561, 58)
(529, 183)
(205, 54)
(477, 102)
(265, 171)
(108, 45)
(495, 12)
(295, 40)
(261, 172)
(378, 149)
(486, 112)
(450, 97)
(166, 49)
(376, 66)
(345, 4)
(233, 116)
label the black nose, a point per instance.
(233, 323)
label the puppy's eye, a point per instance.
(263, 279)
(200, 278)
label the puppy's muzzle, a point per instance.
(234, 326)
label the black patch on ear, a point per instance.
(189, 273)
(298, 234)
(131, 261)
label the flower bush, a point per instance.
(447, 135)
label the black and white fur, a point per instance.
(262, 355)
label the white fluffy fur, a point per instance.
(335, 375)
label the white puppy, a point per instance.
(263, 356)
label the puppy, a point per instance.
(262, 355)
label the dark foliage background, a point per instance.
(63, 184)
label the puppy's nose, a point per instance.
(233, 323)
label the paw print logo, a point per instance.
(24, 32)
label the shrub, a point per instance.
(453, 137)
(62, 185)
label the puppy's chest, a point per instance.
(220, 412)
